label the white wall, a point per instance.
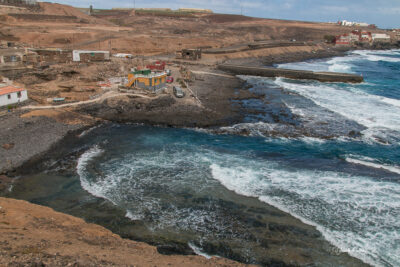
(76, 54)
(380, 36)
(4, 101)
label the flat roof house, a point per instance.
(12, 95)
(380, 37)
(90, 56)
(146, 79)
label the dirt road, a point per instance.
(99, 99)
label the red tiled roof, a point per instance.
(10, 89)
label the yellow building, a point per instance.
(195, 10)
(145, 79)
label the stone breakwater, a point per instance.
(292, 74)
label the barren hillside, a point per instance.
(149, 34)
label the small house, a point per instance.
(355, 36)
(193, 54)
(11, 57)
(53, 55)
(343, 39)
(366, 36)
(348, 38)
(90, 56)
(146, 79)
(123, 55)
(380, 37)
(12, 95)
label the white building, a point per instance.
(86, 55)
(380, 37)
(12, 95)
(122, 55)
(351, 23)
(362, 24)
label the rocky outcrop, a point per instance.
(28, 137)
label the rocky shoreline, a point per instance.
(52, 182)
(27, 139)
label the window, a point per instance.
(19, 94)
(9, 96)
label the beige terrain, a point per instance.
(148, 34)
(33, 235)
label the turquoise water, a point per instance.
(299, 157)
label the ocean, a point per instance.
(326, 153)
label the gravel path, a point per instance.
(99, 99)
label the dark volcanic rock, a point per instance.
(175, 249)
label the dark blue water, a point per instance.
(347, 186)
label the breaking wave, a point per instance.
(379, 114)
(95, 189)
(356, 214)
(377, 55)
(369, 162)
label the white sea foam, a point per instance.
(356, 214)
(344, 64)
(198, 251)
(85, 132)
(377, 55)
(374, 112)
(382, 58)
(369, 162)
(340, 64)
(129, 183)
(255, 128)
(336, 64)
(93, 187)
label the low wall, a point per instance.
(292, 74)
(252, 46)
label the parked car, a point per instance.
(178, 92)
(170, 79)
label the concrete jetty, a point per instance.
(292, 74)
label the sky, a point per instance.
(383, 13)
